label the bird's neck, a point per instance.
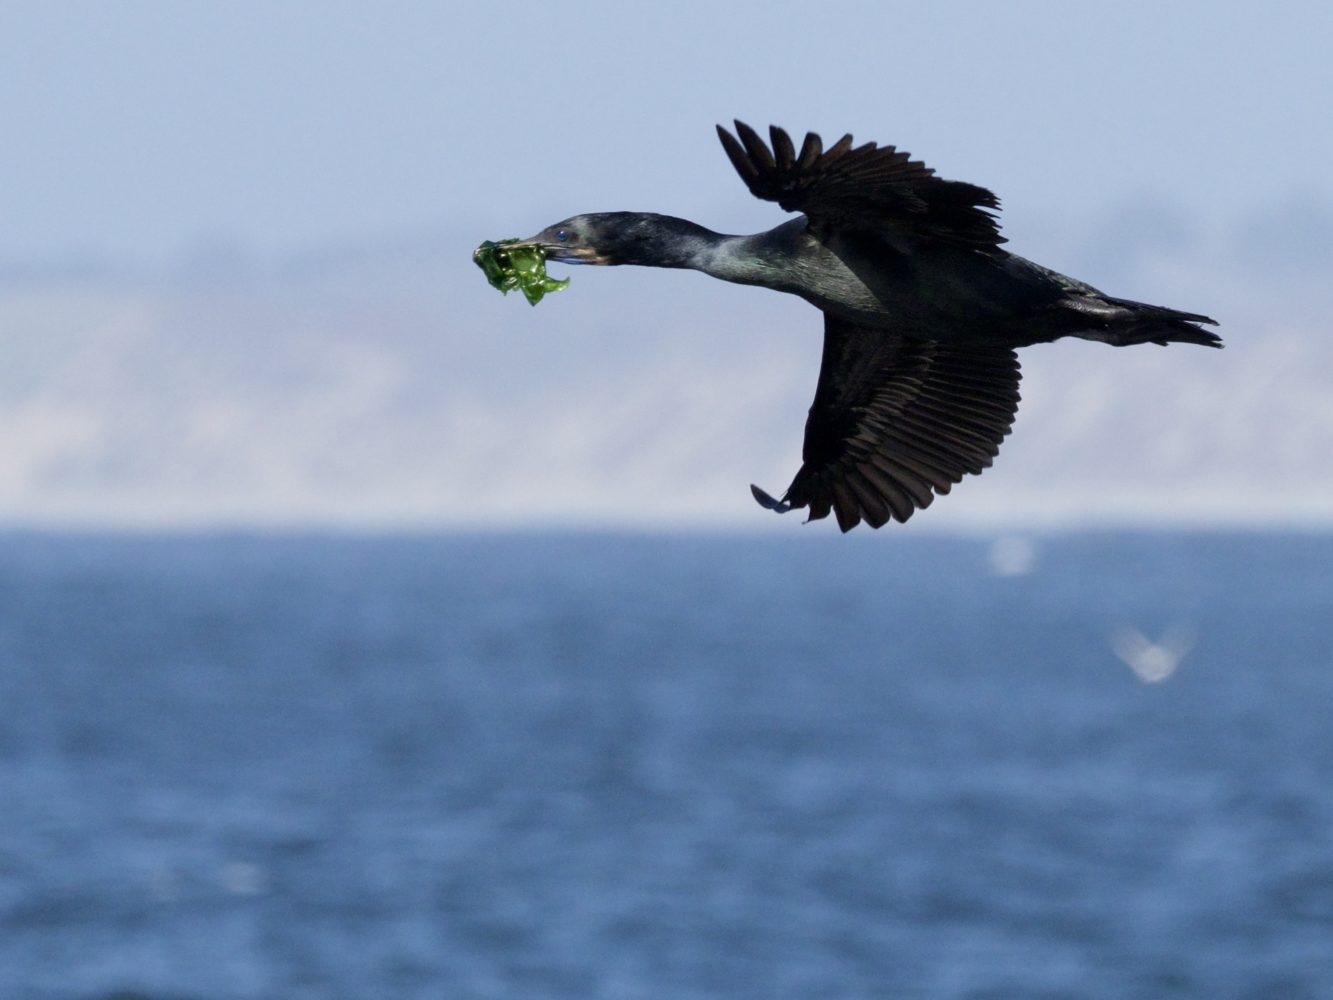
(652, 240)
(670, 242)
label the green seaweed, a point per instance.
(511, 264)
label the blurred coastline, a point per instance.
(387, 387)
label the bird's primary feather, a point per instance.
(862, 187)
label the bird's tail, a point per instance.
(1140, 323)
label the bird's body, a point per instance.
(923, 311)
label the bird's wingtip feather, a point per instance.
(767, 502)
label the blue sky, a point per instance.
(140, 131)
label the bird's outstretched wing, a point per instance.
(862, 187)
(896, 421)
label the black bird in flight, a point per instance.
(923, 311)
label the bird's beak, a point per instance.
(562, 253)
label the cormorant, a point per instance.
(922, 310)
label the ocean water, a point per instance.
(1084, 766)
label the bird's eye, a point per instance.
(561, 235)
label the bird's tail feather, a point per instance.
(1148, 324)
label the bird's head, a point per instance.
(583, 239)
(617, 238)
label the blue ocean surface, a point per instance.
(608, 766)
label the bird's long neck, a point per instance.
(665, 241)
(662, 241)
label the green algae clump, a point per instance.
(511, 264)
